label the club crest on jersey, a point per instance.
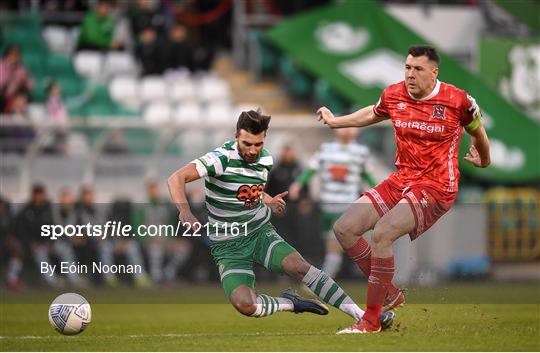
(438, 111)
(338, 172)
(401, 106)
(250, 194)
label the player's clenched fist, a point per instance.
(325, 115)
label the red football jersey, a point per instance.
(428, 132)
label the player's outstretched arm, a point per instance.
(360, 118)
(177, 189)
(478, 154)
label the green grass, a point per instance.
(217, 327)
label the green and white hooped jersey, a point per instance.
(234, 191)
(340, 168)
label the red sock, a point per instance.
(382, 272)
(360, 253)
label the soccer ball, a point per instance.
(70, 313)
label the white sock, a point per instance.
(332, 263)
(42, 255)
(155, 262)
(330, 292)
(134, 257)
(267, 305)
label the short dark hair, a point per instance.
(427, 50)
(253, 122)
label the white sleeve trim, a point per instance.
(201, 169)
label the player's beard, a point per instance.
(246, 157)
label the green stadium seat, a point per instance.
(71, 86)
(58, 64)
(35, 64)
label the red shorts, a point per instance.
(427, 204)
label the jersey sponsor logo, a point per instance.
(338, 172)
(250, 194)
(422, 126)
(438, 111)
(401, 106)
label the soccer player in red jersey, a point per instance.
(428, 118)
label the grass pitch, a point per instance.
(438, 325)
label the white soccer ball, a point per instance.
(70, 313)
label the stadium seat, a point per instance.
(77, 144)
(124, 90)
(35, 63)
(242, 107)
(89, 64)
(188, 112)
(60, 64)
(157, 113)
(182, 90)
(218, 113)
(211, 89)
(71, 86)
(119, 63)
(57, 38)
(153, 88)
(37, 113)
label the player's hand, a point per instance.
(294, 191)
(325, 115)
(277, 204)
(187, 217)
(473, 157)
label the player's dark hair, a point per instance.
(253, 122)
(427, 50)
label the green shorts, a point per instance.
(328, 220)
(235, 258)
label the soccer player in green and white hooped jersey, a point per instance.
(341, 166)
(235, 175)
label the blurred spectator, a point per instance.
(121, 212)
(14, 77)
(175, 250)
(284, 173)
(179, 50)
(149, 51)
(89, 212)
(17, 106)
(10, 247)
(56, 110)
(64, 214)
(36, 213)
(57, 117)
(19, 134)
(98, 28)
(145, 14)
